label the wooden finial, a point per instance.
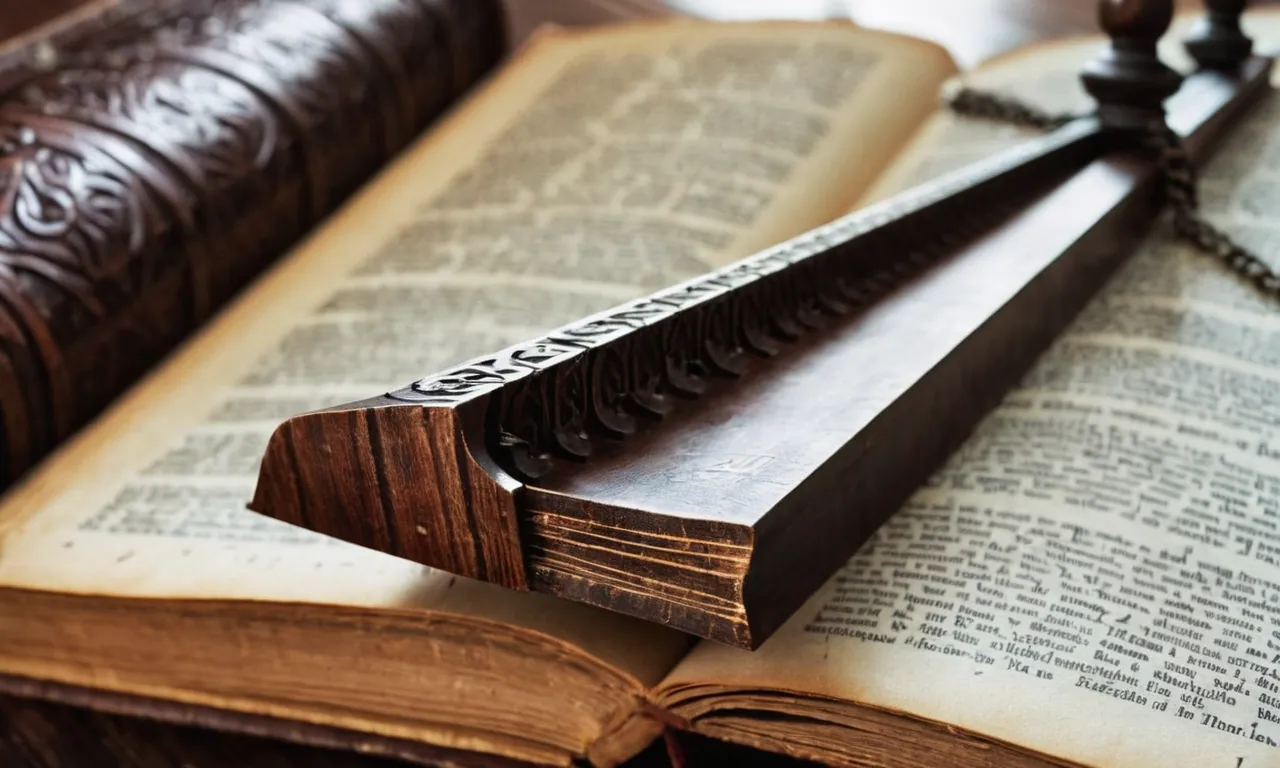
(1216, 41)
(1128, 80)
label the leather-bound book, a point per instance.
(155, 156)
(1088, 579)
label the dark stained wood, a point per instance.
(1128, 80)
(1217, 42)
(707, 456)
(819, 472)
(414, 480)
(829, 443)
(432, 472)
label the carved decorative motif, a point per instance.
(307, 62)
(152, 165)
(72, 215)
(213, 127)
(550, 398)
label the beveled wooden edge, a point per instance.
(1231, 93)
(420, 472)
(491, 373)
(412, 481)
(797, 545)
(433, 472)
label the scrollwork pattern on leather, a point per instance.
(168, 154)
(211, 126)
(310, 66)
(74, 218)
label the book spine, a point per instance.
(154, 162)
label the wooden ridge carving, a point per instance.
(156, 161)
(434, 472)
(708, 456)
(598, 378)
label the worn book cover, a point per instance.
(1090, 580)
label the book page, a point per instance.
(596, 167)
(1095, 575)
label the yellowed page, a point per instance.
(1095, 575)
(596, 167)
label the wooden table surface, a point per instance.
(971, 29)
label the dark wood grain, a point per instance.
(433, 472)
(666, 461)
(414, 481)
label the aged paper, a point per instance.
(1095, 575)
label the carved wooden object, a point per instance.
(1217, 42)
(153, 159)
(706, 457)
(1129, 81)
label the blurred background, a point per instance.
(972, 30)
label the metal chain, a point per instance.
(1179, 179)
(1004, 109)
(1180, 191)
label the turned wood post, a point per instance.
(1216, 41)
(1128, 80)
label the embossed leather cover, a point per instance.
(157, 156)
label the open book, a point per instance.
(1092, 579)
